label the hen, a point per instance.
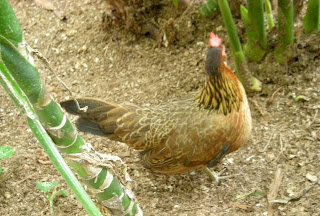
(183, 135)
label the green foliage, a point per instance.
(232, 33)
(242, 70)
(175, 3)
(210, 8)
(9, 25)
(252, 193)
(284, 49)
(244, 15)
(256, 45)
(311, 22)
(6, 152)
(23, 84)
(21, 69)
(253, 18)
(268, 10)
(48, 189)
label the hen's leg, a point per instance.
(213, 175)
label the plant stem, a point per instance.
(51, 198)
(17, 95)
(256, 45)
(268, 10)
(233, 35)
(311, 22)
(244, 15)
(77, 152)
(22, 82)
(284, 50)
(9, 25)
(242, 70)
(175, 3)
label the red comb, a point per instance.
(214, 40)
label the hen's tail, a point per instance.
(96, 116)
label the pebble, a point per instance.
(311, 177)
(7, 195)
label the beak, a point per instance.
(223, 54)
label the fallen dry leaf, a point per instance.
(42, 158)
(46, 4)
(239, 205)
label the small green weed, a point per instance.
(6, 152)
(48, 189)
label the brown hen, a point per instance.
(183, 135)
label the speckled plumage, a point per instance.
(180, 136)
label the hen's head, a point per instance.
(222, 90)
(216, 55)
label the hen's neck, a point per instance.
(222, 92)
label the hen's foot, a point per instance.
(216, 176)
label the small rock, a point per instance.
(230, 160)
(84, 48)
(312, 178)
(219, 28)
(7, 195)
(71, 33)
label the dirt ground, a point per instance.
(96, 59)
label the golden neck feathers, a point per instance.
(222, 88)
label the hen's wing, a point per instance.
(141, 128)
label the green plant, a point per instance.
(9, 25)
(284, 49)
(175, 3)
(209, 8)
(53, 130)
(268, 10)
(252, 193)
(6, 152)
(242, 71)
(253, 19)
(256, 45)
(48, 189)
(311, 22)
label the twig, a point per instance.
(274, 188)
(270, 101)
(268, 143)
(46, 62)
(314, 118)
(296, 197)
(26, 178)
(281, 147)
(257, 106)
